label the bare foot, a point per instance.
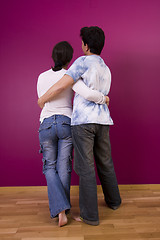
(62, 219)
(77, 218)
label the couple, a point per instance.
(87, 127)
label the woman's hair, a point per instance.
(94, 37)
(62, 54)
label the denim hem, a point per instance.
(115, 204)
(94, 223)
(58, 211)
(114, 207)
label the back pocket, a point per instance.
(45, 125)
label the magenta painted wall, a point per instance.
(29, 30)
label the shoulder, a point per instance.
(107, 69)
(44, 74)
(91, 60)
(79, 60)
(78, 64)
(103, 64)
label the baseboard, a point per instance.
(121, 187)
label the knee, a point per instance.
(48, 167)
(87, 174)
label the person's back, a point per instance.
(96, 76)
(62, 104)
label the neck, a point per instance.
(88, 53)
(65, 67)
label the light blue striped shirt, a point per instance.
(97, 76)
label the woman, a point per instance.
(55, 132)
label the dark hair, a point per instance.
(62, 54)
(94, 37)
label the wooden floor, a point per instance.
(24, 215)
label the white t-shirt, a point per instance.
(62, 103)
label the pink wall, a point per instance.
(29, 30)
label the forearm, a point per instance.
(88, 93)
(65, 82)
(96, 97)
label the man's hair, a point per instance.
(62, 54)
(94, 37)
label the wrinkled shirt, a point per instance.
(96, 75)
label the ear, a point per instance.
(87, 48)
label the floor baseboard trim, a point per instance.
(121, 187)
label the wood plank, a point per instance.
(24, 215)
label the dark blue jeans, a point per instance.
(91, 141)
(56, 146)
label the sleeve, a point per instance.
(38, 89)
(77, 69)
(91, 95)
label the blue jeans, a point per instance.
(91, 141)
(56, 146)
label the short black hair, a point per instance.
(62, 54)
(94, 37)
